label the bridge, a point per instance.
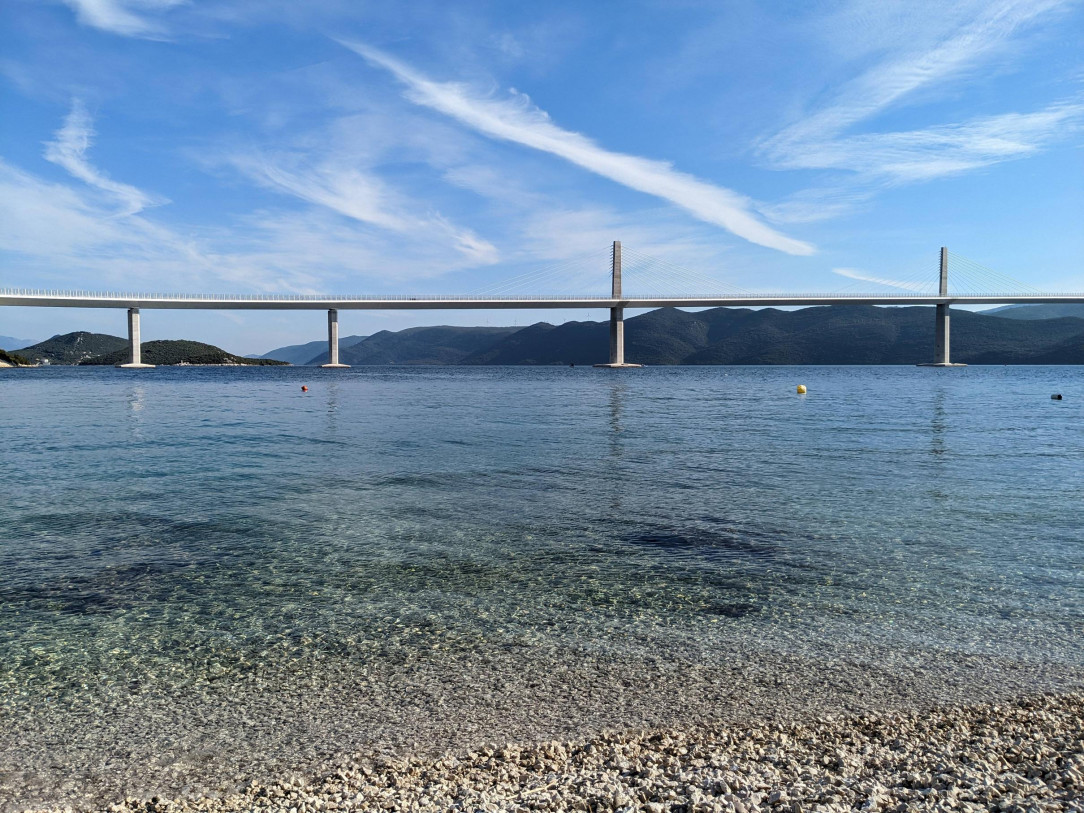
(980, 287)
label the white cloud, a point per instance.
(55, 234)
(942, 150)
(892, 81)
(850, 273)
(52, 228)
(363, 197)
(820, 140)
(816, 205)
(125, 17)
(69, 151)
(519, 121)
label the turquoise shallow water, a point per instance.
(172, 526)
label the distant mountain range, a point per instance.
(1037, 311)
(308, 353)
(427, 345)
(852, 334)
(824, 335)
(10, 342)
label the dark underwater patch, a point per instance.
(723, 543)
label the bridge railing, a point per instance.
(181, 297)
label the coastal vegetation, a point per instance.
(13, 360)
(72, 348)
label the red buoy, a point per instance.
(304, 388)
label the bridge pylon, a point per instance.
(617, 316)
(135, 348)
(941, 323)
(333, 340)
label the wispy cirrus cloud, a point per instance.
(61, 233)
(517, 120)
(941, 150)
(825, 139)
(69, 150)
(892, 81)
(55, 227)
(125, 17)
(364, 197)
(360, 235)
(862, 276)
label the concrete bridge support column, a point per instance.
(135, 358)
(333, 340)
(941, 341)
(617, 337)
(617, 317)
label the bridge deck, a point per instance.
(83, 299)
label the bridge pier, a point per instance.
(333, 340)
(941, 325)
(617, 317)
(135, 358)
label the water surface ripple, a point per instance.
(177, 540)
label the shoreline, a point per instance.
(212, 740)
(1026, 752)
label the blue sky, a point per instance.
(343, 147)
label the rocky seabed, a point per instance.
(1024, 755)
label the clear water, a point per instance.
(170, 526)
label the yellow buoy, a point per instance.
(801, 389)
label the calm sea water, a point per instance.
(168, 525)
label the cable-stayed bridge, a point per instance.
(634, 279)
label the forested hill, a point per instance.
(426, 345)
(1048, 311)
(72, 348)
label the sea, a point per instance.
(209, 574)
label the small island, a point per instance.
(84, 348)
(181, 352)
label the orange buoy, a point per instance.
(304, 388)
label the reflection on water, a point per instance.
(938, 425)
(618, 391)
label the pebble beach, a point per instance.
(1025, 754)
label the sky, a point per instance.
(344, 147)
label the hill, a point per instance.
(853, 334)
(1052, 311)
(171, 352)
(424, 345)
(308, 353)
(72, 348)
(821, 335)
